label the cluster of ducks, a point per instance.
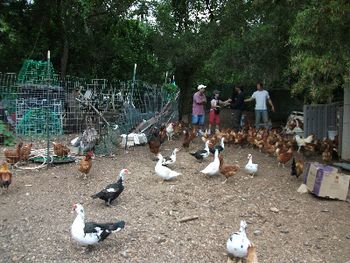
(214, 168)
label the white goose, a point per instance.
(251, 168)
(214, 167)
(163, 171)
(238, 243)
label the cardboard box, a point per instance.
(326, 181)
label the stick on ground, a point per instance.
(188, 218)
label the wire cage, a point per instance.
(36, 103)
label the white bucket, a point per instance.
(332, 134)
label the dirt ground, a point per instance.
(35, 215)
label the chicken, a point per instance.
(13, 155)
(227, 170)
(187, 140)
(252, 256)
(112, 191)
(25, 151)
(284, 157)
(162, 134)
(60, 150)
(297, 167)
(85, 164)
(5, 176)
(170, 131)
(154, 142)
(327, 154)
(303, 141)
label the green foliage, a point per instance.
(6, 137)
(302, 45)
(320, 57)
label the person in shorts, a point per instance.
(214, 113)
(198, 112)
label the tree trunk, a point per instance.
(64, 58)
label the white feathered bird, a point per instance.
(90, 233)
(251, 168)
(214, 167)
(303, 141)
(163, 171)
(170, 159)
(238, 243)
(170, 131)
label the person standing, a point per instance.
(198, 113)
(261, 96)
(214, 113)
(237, 106)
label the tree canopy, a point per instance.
(302, 45)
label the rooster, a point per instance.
(5, 176)
(85, 164)
(301, 142)
(297, 167)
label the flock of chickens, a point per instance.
(271, 142)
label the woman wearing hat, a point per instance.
(214, 113)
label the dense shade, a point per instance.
(298, 45)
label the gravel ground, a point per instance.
(35, 214)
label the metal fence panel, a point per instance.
(320, 118)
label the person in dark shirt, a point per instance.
(238, 107)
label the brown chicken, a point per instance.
(227, 170)
(13, 155)
(25, 151)
(154, 142)
(284, 157)
(187, 140)
(327, 154)
(60, 150)
(85, 164)
(5, 176)
(252, 256)
(297, 167)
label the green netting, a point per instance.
(34, 122)
(37, 72)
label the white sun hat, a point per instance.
(201, 86)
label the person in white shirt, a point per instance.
(261, 96)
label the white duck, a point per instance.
(214, 167)
(163, 171)
(238, 243)
(171, 159)
(251, 168)
(90, 233)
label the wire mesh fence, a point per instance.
(37, 104)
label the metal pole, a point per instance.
(47, 111)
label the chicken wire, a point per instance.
(33, 108)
